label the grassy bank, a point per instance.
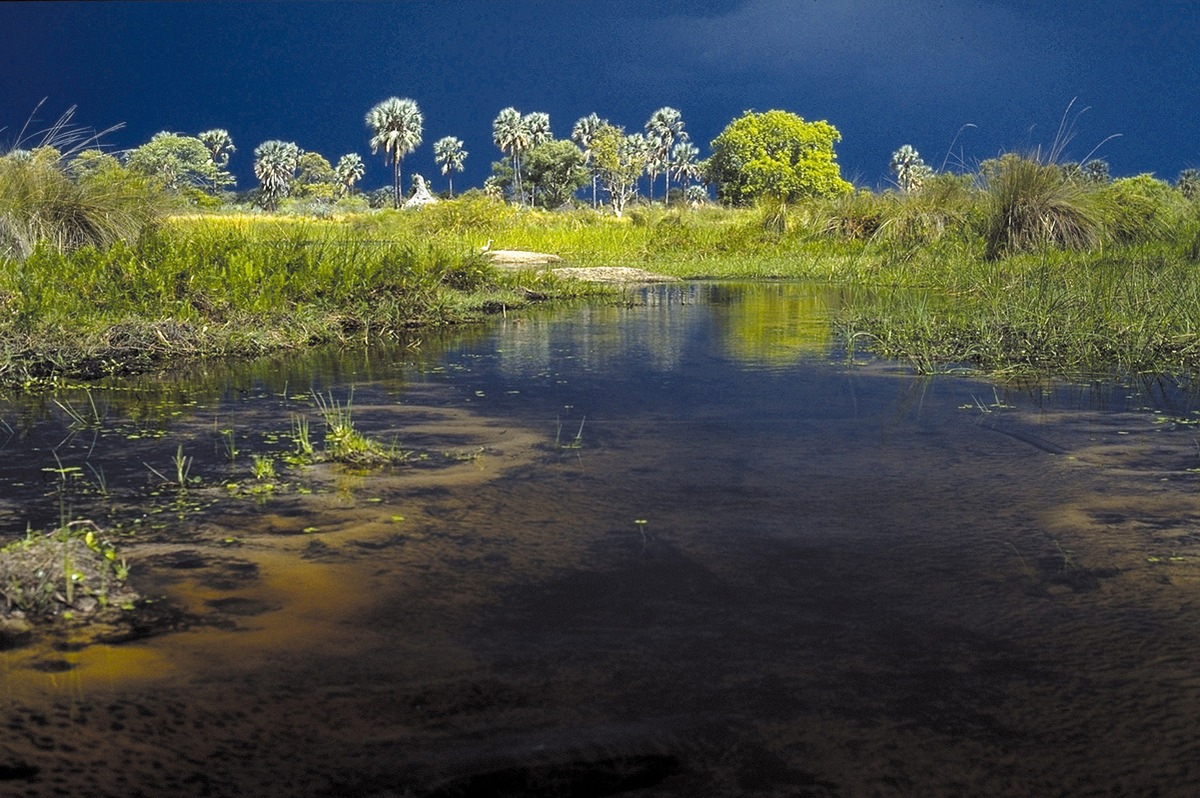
(224, 286)
(1019, 268)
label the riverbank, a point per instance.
(227, 286)
(945, 284)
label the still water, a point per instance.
(683, 546)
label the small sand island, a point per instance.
(517, 259)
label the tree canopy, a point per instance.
(619, 161)
(178, 161)
(775, 154)
(396, 128)
(555, 170)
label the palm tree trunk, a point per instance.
(396, 183)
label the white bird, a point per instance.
(486, 246)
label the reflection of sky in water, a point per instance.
(881, 583)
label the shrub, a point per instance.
(1031, 205)
(41, 204)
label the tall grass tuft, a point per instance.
(1031, 205)
(41, 204)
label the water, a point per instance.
(685, 546)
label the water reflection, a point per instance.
(700, 552)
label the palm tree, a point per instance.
(349, 170)
(512, 137)
(449, 153)
(684, 163)
(537, 125)
(275, 164)
(537, 128)
(1095, 171)
(1188, 183)
(583, 131)
(219, 144)
(396, 127)
(909, 168)
(663, 130)
(1071, 172)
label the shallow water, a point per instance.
(678, 547)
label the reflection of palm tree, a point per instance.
(349, 170)
(396, 127)
(275, 164)
(449, 153)
(663, 130)
(581, 134)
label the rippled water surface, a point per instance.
(679, 547)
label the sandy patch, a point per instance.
(615, 274)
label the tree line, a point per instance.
(774, 154)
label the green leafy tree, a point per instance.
(349, 170)
(619, 161)
(92, 162)
(178, 162)
(910, 169)
(449, 154)
(556, 171)
(396, 128)
(775, 154)
(315, 177)
(275, 164)
(663, 130)
(1188, 183)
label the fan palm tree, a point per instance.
(537, 126)
(583, 131)
(684, 164)
(396, 127)
(512, 137)
(1095, 171)
(219, 144)
(663, 130)
(275, 165)
(1188, 183)
(349, 170)
(909, 168)
(449, 153)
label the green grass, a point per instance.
(1016, 269)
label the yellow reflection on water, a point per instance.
(776, 327)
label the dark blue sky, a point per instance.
(884, 72)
